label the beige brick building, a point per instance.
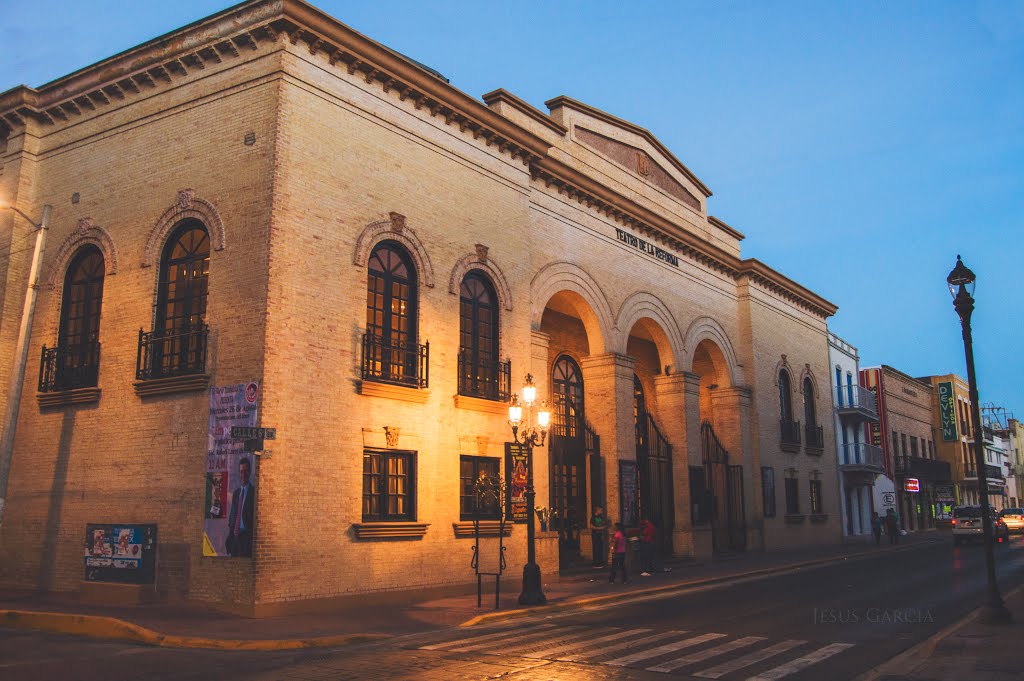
(268, 196)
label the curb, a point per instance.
(912, 658)
(113, 629)
(668, 588)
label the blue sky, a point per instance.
(859, 146)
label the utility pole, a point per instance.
(21, 355)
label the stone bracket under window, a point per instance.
(791, 447)
(383, 530)
(482, 405)
(488, 528)
(394, 392)
(819, 517)
(61, 398)
(174, 384)
(813, 451)
(795, 518)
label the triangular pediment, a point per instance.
(630, 147)
(638, 162)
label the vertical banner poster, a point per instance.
(947, 411)
(229, 511)
(516, 467)
(628, 493)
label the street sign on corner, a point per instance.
(249, 433)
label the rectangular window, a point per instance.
(895, 444)
(768, 491)
(471, 469)
(792, 496)
(931, 449)
(913, 446)
(903, 441)
(815, 496)
(389, 485)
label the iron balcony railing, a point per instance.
(863, 454)
(789, 431)
(815, 436)
(855, 398)
(172, 352)
(487, 380)
(67, 368)
(925, 469)
(387, 361)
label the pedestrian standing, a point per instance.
(599, 535)
(618, 555)
(876, 527)
(892, 526)
(647, 534)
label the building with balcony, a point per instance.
(268, 219)
(862, 468)
(905, 433)
(953, 434)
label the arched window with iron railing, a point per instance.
(75, 362)
(789, 428)
(814, 432)
(177, 345)
(391, 352)
(481, 373)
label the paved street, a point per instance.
(831, 622)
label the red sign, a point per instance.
(912, 485)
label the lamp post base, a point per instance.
(533, 593)
(997, 615)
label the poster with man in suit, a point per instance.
(231, 473)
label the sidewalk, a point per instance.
(965, 650)
(195, 625)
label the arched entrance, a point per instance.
(576, 471)
(649, 346)
(717, 484)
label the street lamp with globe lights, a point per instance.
(530, 437)
(961, 287)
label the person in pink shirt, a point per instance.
(618, 554)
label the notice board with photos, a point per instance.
(121, 553)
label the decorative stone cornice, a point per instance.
(596, 196)
(734, 233)
(225, 36)
(504, 96)
(784, 287)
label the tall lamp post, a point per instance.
(530, 437)
(961, 287)
(21, 352)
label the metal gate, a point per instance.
(654, 469)
(569, 457)
(724, 486)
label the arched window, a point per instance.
(790, 429)
(567, 391)
(480, 372)
(390, 350)
(75, 360)
(785, 396)
(180, 332)
(809, 416)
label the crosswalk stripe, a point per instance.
(488, 637)
(604, 650)
(520, 638)
(591, 643)
(705, 654)
(801, 662)
(661, 650)
(721, 670)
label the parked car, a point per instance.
(1014, 519)
(968, 525)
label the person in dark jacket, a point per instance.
(892, 526)
(599, 535)
(876, 527)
